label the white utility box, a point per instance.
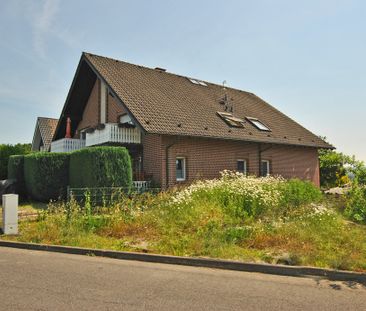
(10, 213)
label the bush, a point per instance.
(356, 204)
(296, 192)
(6, 151)
(46, 175)
(16, 171)
(101, 167)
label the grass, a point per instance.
(294, 225)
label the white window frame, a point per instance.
(184, 168)
(245, 165)
(268, 167)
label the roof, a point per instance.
(166, 103)
(47, 128)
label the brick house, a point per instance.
(178, 129)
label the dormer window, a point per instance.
(231, 120)
(258, 124)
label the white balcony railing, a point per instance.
(112, 133)
(67, 145)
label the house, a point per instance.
(178, 129)
(43, 133)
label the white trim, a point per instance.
(245, 165)
(268, 167)
(103, 102)
(183, 169)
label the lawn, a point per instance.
(235, 217)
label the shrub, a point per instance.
(101, 167)
(16, 171)
(6, 151)
(356, 204)
(296, 192)
(46, 175)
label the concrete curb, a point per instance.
(297, 271)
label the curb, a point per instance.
(297, 271)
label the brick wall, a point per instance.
(205, 158)
(90, 116)
(153, 154)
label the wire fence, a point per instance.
(106, 196)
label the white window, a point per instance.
(241, 166)
(265, 168)
(259, 124)
(125, 118)
(180, 168)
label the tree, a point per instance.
(337, 169)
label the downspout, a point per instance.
(167, 162)
(260, 151)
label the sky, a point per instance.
(306, 58)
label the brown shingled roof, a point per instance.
(166, 103)
(47, 128)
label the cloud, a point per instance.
(43, 25)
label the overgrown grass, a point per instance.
(234, 217)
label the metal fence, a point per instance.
(104, 196)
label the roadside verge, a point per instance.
(297, 271)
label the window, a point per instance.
(259, 124)
(241, 166)
(180, 169)
(83, 133)
(265, 168)
(198, 82)
(125, 118)
(231, 120)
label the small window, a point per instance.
(259, 124)
(241, 166)
(265, 168)
(198, 82)
(83, 133)
(125, 118)
(180, 169)
(231, 120)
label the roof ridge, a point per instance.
(168, 72)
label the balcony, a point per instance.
(67, 145)
(112, 133)
(108, 133)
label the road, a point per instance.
(34, 280)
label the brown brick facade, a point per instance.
(205, 158)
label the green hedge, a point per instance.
(46, 175)
(6, 151)
(101, 167)
(16, 171)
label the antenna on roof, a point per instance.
(225, 100)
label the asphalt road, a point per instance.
(34, 280)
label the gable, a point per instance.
(165, 103)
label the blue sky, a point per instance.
(307, 58)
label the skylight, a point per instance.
(231, 120)
(198, 82)
(259, 124)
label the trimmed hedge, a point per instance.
(46, 175)
(16, 171)
(6, 151)
(101, 167)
